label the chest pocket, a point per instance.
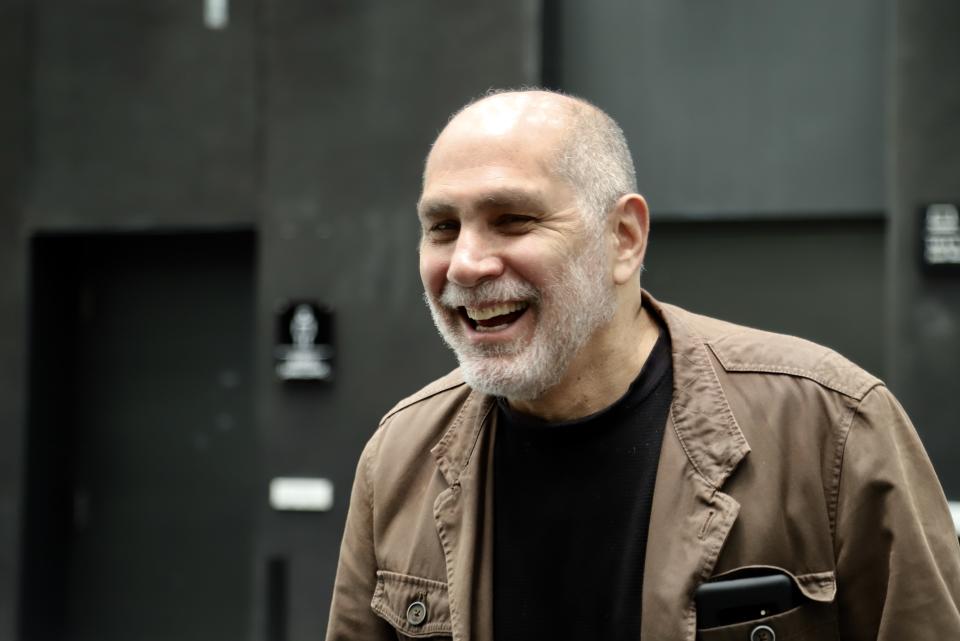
(813, 620)
(417, 608)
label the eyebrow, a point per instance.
(515, 198)
(500, 199)
(434, 209)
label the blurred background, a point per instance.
(208, 274)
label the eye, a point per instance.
(446, 225)
(442, 229)
(514, 220)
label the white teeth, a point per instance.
(500, 309)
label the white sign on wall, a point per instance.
(301, 494)
(940, 234)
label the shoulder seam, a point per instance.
(856, 393)
(833, 499)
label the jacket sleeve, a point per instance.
(351, 617)
(898, 560)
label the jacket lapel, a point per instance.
(464, 518)
(690, 517)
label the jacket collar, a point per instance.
(691, 517)
(455, 448)
(702, 418)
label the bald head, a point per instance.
(584, 146)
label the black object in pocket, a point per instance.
(732, 601)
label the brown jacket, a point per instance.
(777, 453)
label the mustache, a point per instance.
(487, 292)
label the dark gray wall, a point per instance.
(923, 344)
(14, 73)
(354, 94)
(815, 279)
(143, 117)
(304, 121)
(753, 107)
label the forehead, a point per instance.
(490, 182)
(491, 163)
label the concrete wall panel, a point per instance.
(15, 61)
(762, 108)
(924, 313)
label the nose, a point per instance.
(473, 261)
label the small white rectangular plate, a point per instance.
(301, 494)
(216, 14)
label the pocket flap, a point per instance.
(816, 586)
(415, 606)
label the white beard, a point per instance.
(569, 309)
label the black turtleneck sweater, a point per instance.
(571, 513)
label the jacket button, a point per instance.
(417, 614)
(763, 633)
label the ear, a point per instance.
(631, 228)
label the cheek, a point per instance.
(535, 266)
(433, 272)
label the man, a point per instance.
(599, 455)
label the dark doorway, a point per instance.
(141, 448)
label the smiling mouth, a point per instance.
(492, 318)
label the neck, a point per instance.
(603, 370)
